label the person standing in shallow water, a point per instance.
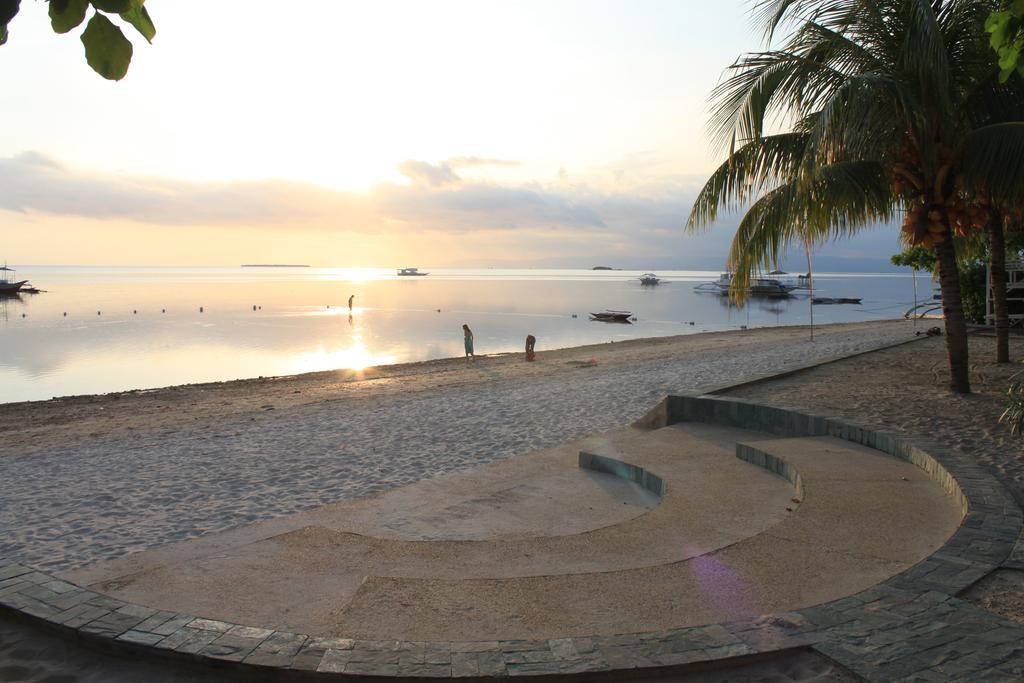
(350, 300)
(468, 334)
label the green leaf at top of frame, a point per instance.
(138, 17)
(3, 34)
(8, 8)
(112, 6)
(106, 49)
(67, 14)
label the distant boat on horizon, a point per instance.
(649, 279)
(602, 268)
(411, 272)
(758, 284)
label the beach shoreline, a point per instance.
(211, 399)
(626, 350)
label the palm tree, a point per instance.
(997, 269)
(887, 108)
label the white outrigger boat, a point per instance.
(649, 279)
(411, 272)
(759, 285)
(8, 285)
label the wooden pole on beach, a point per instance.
(810, 284)
(914, 309)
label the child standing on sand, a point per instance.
(531, 342)
(468, 334)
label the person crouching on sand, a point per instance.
(531, 341)
(468, 334)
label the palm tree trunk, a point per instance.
(952, 309)
(997, 264)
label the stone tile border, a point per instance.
(624, 470)
(772, 463)
(790, 370)
(911, 626)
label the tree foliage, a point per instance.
(1006, 28)
(107, 50)
(917, 258)
(1013, 416)
(888, 108)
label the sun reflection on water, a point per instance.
(355, 357)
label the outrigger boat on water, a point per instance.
(411, 272)
(612, 316)
(8, 285)
(649, 279)
(760, 285)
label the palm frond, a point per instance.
(925, 51)
(866, 118)
(841, 199)
(770, 14)
(757, 165)
(992, 163)
(764, 84)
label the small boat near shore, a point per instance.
(410, 272)
(8, 285)
(612, 316)
(822, 300)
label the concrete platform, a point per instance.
(536, 548)
(909, 626)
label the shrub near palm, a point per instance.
(1013, 416)
(889, 109)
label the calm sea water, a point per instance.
(137, 328)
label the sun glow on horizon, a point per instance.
(354, 275)
(455, 133)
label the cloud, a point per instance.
(443, 173)
(34, 182)
(480, 206)
(434, 175)
(471, 162)
(640, 224)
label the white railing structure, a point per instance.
(1014, 293)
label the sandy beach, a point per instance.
(93, 478)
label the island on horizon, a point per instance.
(275, 265)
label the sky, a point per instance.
(561, 133)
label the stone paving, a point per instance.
(66, 507)
(911, 627)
